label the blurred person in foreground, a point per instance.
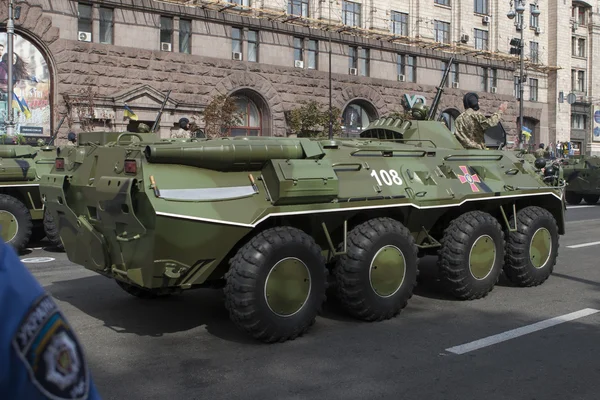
(40, 355)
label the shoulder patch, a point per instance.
(50, 351)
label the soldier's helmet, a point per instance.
(419, 111)
(143, 128)
(184, 123)
(471, 100)
(41, 142)
(71, 137)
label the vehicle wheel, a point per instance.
(52, 231)
(471, 256)
(376, 277)
(591, 198)
(15, 222)
(276, 285)
(141, 292)
(573, 198)
(532, 250)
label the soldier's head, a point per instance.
(541, 145)
(471, 100)
(419, 111)
(184, 123)
(143, 128)
(71, 137)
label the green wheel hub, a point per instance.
(540, 247)
(387, 271)
(9, 225)
(287, 287)
(482, 257)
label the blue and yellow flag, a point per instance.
(129, 113)
(526, 132)
(21, 105)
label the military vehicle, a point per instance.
(582, 174)
(273, 220)
(21, 208)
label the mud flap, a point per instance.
(115, 211)
(83, 244)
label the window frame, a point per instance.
(445, 32)
(533, 89)
(85, 20)
(314, 52)
(349, 9)
(481, 7)
(168, 31)
(253, 43)
(484, 39)
(400, 19)
(182, 36)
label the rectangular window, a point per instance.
(411, 69)
(253, 46)
(363, 59)
(351, 13)
(443, 2)
(534, 52)
(578, 121)
(298, 47)
(236, 40)
(106, 25)
(493, 78)
(581, 81)
(166, 32)
(481, 7)
(84, 14)
(519, 21)
(581, 15)
(442, 31)
(454, 72)
(245, 3)
(481, 39)
(352, 57)
(399, 23)
(534, 20)
(533, 89)
(313, 54)
(298, 7)
(185, 36)
(483, 82)
(516, 91)
(578, 46)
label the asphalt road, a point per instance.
(185, 347)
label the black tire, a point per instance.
(591, 198)
(518, 267)
(23, 218)
(52, 231)
(573, 198)
(454, 256)
(246, 288)
(141, 292)
(353, 271)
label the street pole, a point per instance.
(10, 29)
(521, 87)
(330, 110)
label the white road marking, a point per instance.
(501, 337)
(576, 246)
(37, 259)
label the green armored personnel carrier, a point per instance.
(274, 220)
(582, 174)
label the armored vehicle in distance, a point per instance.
(582, 174)
(272, 220)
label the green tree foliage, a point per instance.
(219, 115)
(311, 120)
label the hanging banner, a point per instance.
(31, 86)
(596, 125)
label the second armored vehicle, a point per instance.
(582, 174)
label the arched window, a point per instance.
(248, 119)
(357, 117)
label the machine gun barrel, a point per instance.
(162, 107)
(51, 142)
(440, 90)
(224, 156)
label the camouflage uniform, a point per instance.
(470, 128)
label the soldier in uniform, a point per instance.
(188, 129)
(471, 124)
(540, 152)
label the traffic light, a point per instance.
(516, 46)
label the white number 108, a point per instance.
(387, 177)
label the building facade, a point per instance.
(272, 54)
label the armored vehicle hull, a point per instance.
(21, 208)
(583, 179)
(272, 219)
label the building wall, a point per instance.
(134, 59)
